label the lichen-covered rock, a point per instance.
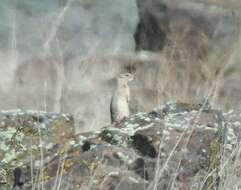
(29, 136)
(179, 146)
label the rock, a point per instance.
(86, 146)
(138, 166)
(25, 136)
(185, 24)
(18, 181)
(150, 32)
(177, 146)
(141, 142)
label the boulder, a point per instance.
(29, 136)
(178, 146)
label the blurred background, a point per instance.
(64, 55)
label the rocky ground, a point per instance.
(179, 146)
(192, 43)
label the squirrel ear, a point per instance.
(130, 68)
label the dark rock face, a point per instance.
(194, 25)
(150, 34)
(18, 182)
(86, 146)
(179, 146)
(139, 168)
(141, 143)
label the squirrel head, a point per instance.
(125, 78)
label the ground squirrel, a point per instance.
(119, 107)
